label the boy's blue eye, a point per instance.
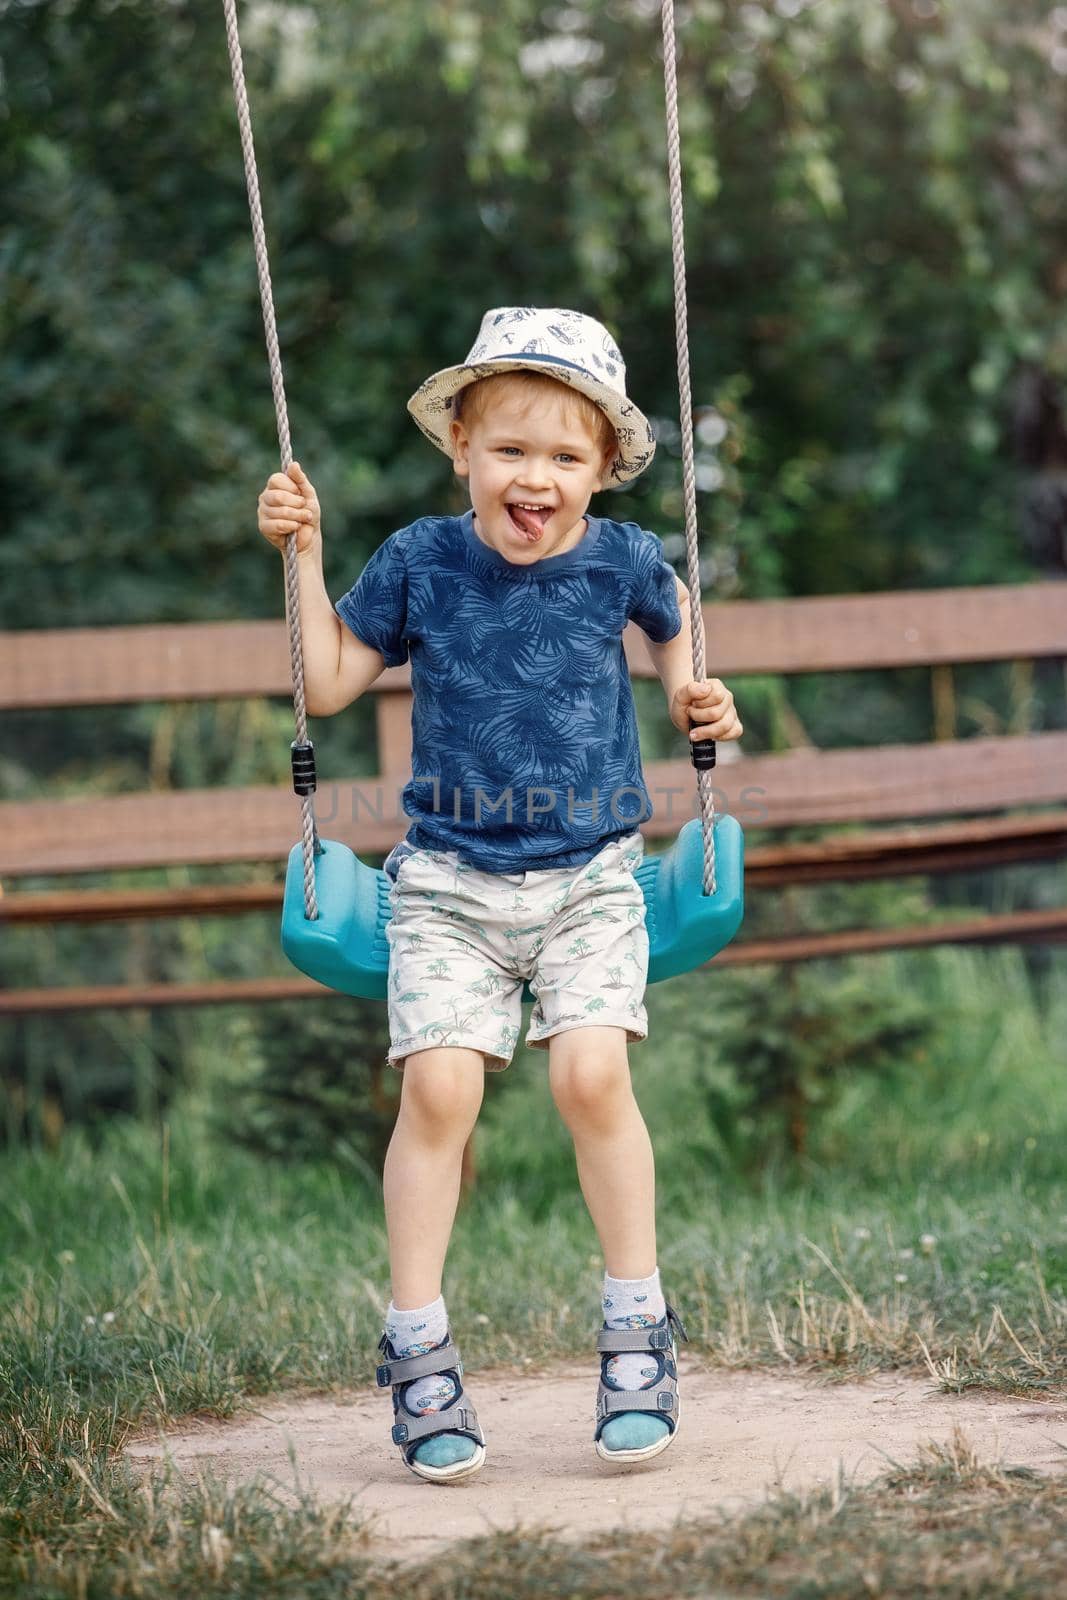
(513, 449)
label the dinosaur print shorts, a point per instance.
(462, 942)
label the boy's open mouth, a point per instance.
(529, 520)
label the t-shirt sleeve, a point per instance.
(654, 606)
(376, 606)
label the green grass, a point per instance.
(146, 1276)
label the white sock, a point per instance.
(413, 1333)
(632, 1303)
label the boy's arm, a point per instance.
(673, 661)
(338, 667)
(708, 707)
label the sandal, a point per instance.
(660, 1397)
(410, 1428)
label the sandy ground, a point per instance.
(740, 1434)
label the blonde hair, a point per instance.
(470, 404)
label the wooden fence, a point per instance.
(967, 780)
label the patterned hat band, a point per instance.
(580, 353)
(533, 356)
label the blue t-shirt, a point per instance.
(524, 737)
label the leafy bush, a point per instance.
(322, 1087)
(792, 1043)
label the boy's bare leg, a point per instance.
(440, 1098)
(590, 1078)
(589, 1075)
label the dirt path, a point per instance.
(740, 1433)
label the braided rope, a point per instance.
(681, 327)
(292, 591)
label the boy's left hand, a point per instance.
(706, 709)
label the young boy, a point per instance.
(519, 864)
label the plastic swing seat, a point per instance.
(346, 947)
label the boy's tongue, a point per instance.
(531, 522)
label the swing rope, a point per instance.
(303, 757)
(702, 753)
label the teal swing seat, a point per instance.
(346, 948)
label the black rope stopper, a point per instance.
(702, 754)
(303, 767)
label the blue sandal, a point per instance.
(410, 1428)
(660, 1397)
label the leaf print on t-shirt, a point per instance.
(520, 683)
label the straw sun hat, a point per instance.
(567, 345)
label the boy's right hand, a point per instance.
(288, 505)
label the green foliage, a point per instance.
(875, 229)
(322, 1088)
(87, 1068)
(781, 1045)
(793, 1045)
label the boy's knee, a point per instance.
(443, 1087)
(588, 1082)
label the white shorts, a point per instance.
(462, 942)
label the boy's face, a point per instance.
(533, 467)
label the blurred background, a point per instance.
(876, 222)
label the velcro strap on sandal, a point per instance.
(634, 1339)
(456, 1419)
(403, 1368)
(642, 1338)
(634, 1400)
